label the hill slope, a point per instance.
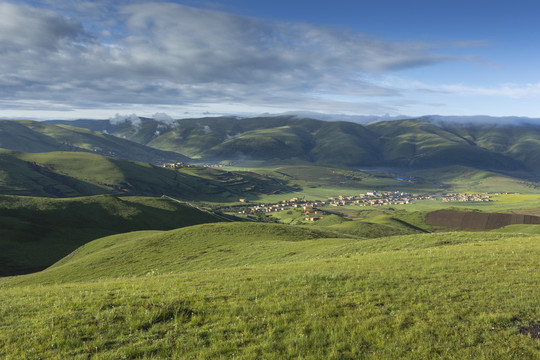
(200, 247)
(68, 174)
(417, 143)
(452, 296)
(37, 137)
(36, 232)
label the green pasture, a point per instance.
(296, 294)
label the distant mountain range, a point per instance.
(411, 143)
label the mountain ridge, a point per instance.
(406, 143)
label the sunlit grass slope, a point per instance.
(36, 232)
(68, 174)
(519, 228)
(433, 296)
(207, 246)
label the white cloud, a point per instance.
(509, 90)
(133, 119)
(512, 91)
(168, 54)
(162, 117)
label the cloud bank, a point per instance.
(170, 54)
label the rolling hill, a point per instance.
(36, 232)
(415, 143)
(37, 137)
(267, 291)
(69, 174)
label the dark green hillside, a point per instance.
(35, 137)
(415, 143)
(36, 232)
(518, 142)
(284, 142)
(419, 144)
(345, 143)
(66, 174)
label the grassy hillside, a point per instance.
(420, 144)
(415, 143)
(68, 174)
(36, 232)
(520, 228)
(36, 137)
(451, 296)
(514, 141)
(208, 246)
(458, 178)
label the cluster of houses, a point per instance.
(378, 199)
(177, 165)
(294, 203)
(310, 207)
(466, 197)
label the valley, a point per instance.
(263, 238)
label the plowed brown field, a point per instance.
(478, 220)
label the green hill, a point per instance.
(68, 174)
(414, 143)
(36, 232)
(37, 137)
(224, 245)
(420, 144)
(208, 246)
(260, 291)
(516, 142)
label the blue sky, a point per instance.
(94, 59)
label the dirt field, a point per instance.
(478, 220)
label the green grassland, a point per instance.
(277, 291)
(519, 228)
(153, 278)
(465, 179)
(36, 232)
(318, 181)
(69, 174)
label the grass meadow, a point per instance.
(301, 294)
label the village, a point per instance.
(180, 165)
(466, 197)
(312, 210)
(310, 207)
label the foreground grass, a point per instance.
(450, 296)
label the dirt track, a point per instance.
(477, 220)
